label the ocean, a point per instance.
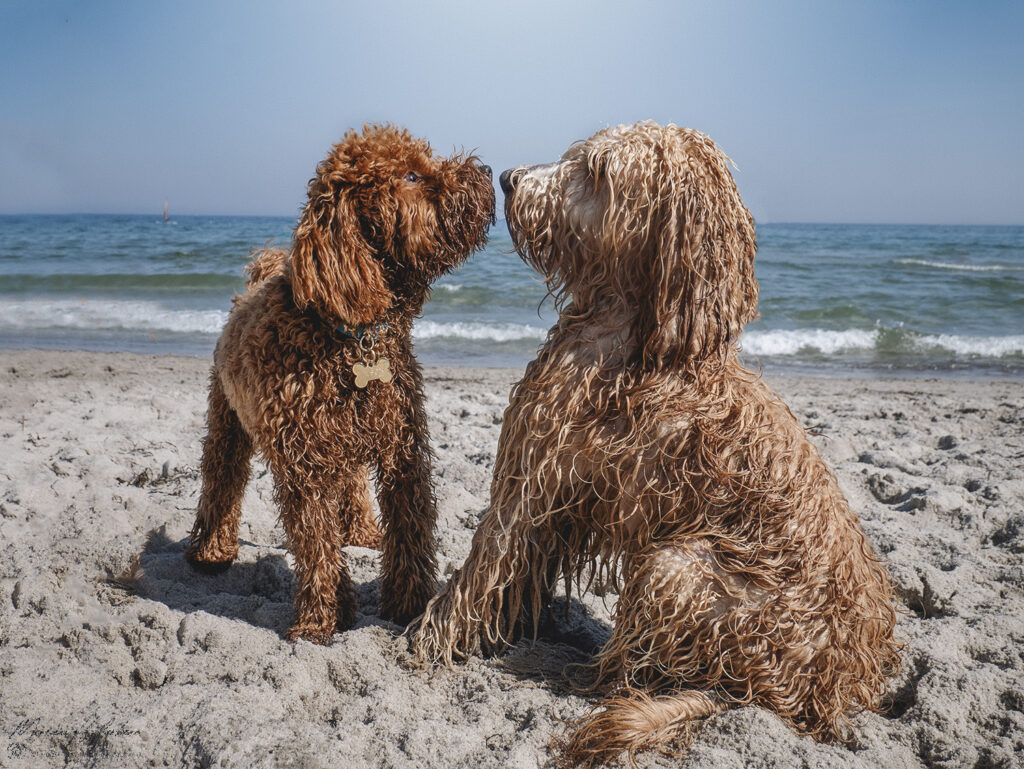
(836, 300)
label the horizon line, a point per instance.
(159, 215)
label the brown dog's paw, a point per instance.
(209, 560)
(346, 612)
(209, 567)
(311, 633)
(398, 616)
(392, 608)
(403, 607)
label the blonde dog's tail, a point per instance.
(634, 721)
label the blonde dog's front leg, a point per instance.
(515, 553)
(482, 604)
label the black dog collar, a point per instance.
(359, 332)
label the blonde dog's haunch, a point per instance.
(637, 449)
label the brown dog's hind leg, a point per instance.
(358, 526)
(227, 450)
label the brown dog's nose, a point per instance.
(507, 180)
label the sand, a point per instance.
(113, 652)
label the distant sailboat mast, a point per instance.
(165, 212)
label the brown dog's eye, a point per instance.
(412, 177)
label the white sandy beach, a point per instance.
(99, 479)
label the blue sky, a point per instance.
(834, 112)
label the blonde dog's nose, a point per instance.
(508, 180)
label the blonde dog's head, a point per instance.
(647, 216)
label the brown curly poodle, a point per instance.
(315, 371)
(636, 449)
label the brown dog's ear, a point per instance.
(702, 289)
(333, 267)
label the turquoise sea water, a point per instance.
(836, 300)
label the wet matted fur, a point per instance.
(385, 217)
(637, 449)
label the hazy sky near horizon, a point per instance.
(834, 112)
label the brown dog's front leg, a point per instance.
(324, 598)
(409, 568)
(409, 512)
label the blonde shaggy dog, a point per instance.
(637, 448)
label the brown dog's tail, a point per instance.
(265, 264)
(633, 722)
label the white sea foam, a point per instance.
(451, 287)
(790, 342)
(781, 342)
(495, 332)
(985, 346)
(131, 315)
(963, 267)
(114, 314)
(106, 314)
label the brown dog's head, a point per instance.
(648, 217)
(385, 217)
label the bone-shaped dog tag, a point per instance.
(379, 369)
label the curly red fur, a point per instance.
(636, 449)
(385, 217)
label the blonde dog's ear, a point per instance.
(333, 268)
(702, 289)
